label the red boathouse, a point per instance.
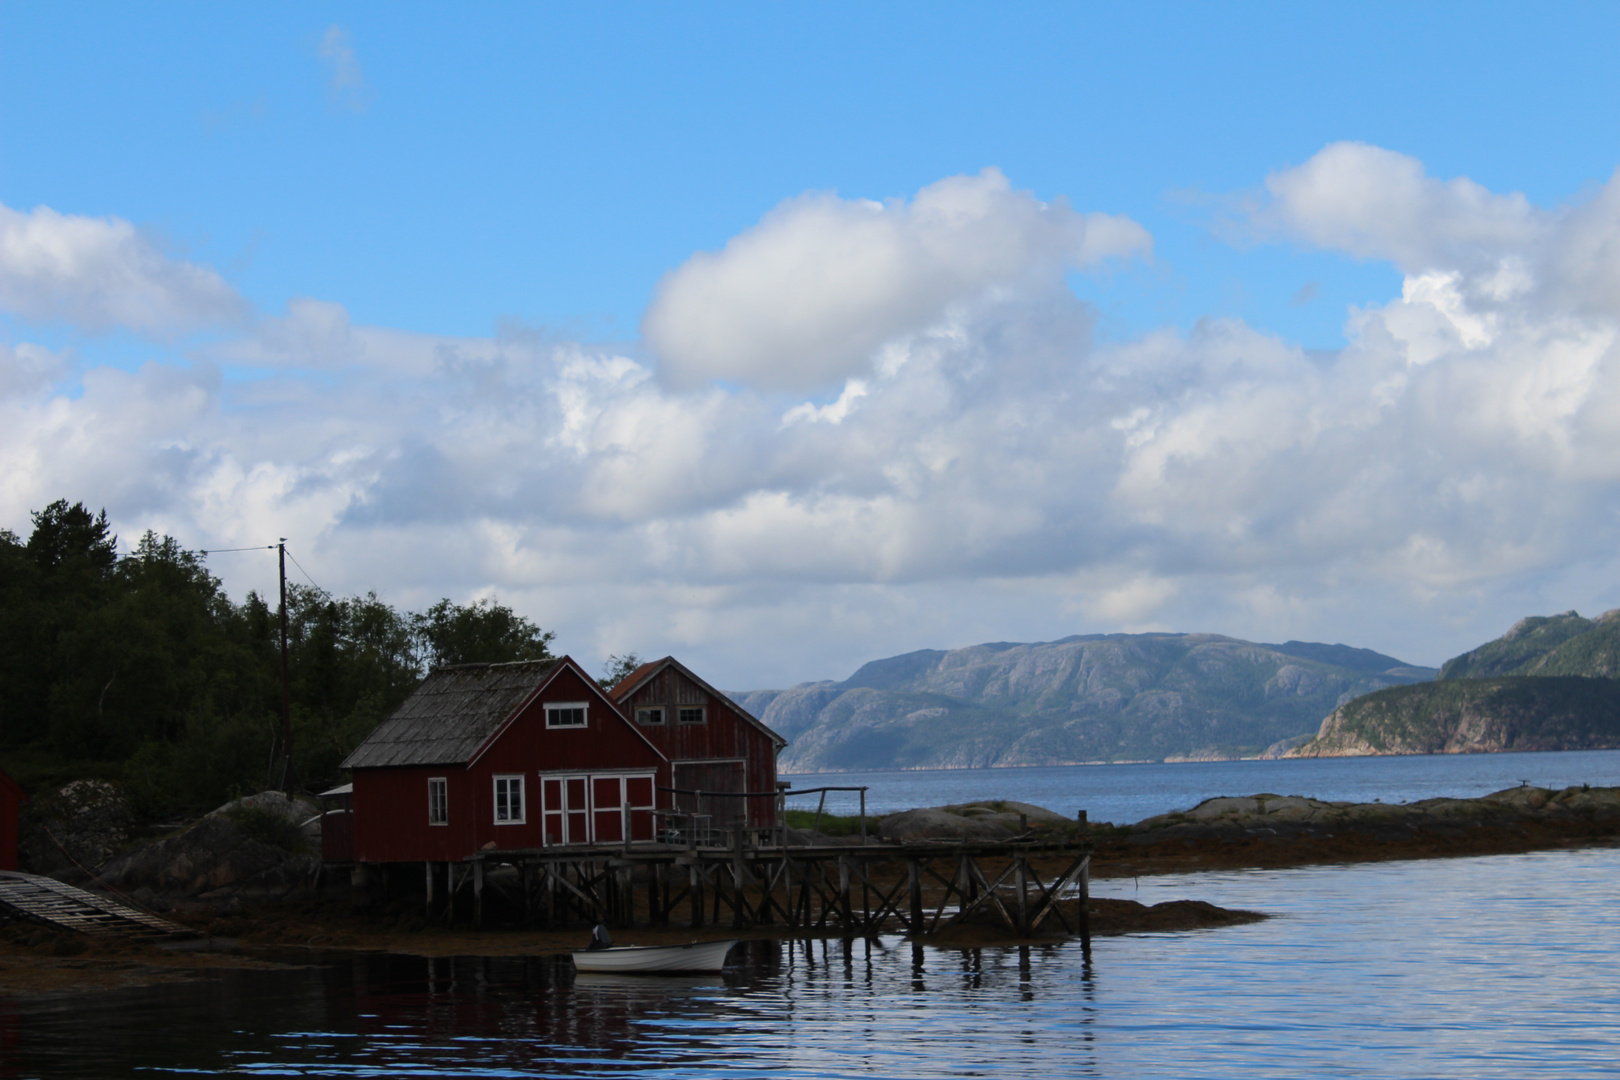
(712, 743)
(503, 757)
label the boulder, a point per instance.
(257, 844)
(940, 823)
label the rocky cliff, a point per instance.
(1547, 684)
(1116, 697)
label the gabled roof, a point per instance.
(637, 678)
(452, 714)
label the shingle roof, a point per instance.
(451, 714)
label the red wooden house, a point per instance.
(503, 757)
(712, 743)
(11, 800)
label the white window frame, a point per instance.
(511, 779)
(558, 706)
(701, 710)
(641, 713)
(439, 786)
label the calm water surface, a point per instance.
(1127, 793)
(1507, 966)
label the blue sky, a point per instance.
(505, 189)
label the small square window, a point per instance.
(509, 800)
(690, 715)
(438, 801)
(566, 714)
(649, 716)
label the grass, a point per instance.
(831, 824)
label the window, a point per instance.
(438, 801)
(509, 800)
(693, 715)
(649, 716)
(566, 714)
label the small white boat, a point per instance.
(654, 959)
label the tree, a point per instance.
(71, 539)
(483, 632)
(618, 669)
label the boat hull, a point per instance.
(654, 959)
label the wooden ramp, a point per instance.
(54, 903)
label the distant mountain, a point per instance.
(1097, 697)
(1549, 683)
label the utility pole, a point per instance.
(286, 698)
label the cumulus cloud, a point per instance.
(98, 274)
(804, 298)
(25, 368)
(986, 469)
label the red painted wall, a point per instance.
(724, 734)
(391, 804)
(11, 800)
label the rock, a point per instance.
(940, 824)
(996, 819)
(253, 844)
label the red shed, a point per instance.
(11, 800)
(713, 744)
(502, 757)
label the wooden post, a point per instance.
(863, 817)
(739, 918)
(916, 895)
(1021, 876)
(1085, 910)
(655, 873)
(478, 893)
(845, 914)
(696, 897)
(429, 866)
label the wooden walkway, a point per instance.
(917, 888)
(54, 903)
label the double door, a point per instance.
(597, 808)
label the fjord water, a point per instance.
(1128, 793)
(1503, 966)
(1507, 966)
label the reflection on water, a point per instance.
(1491, 967)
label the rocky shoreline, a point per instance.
(245, 876)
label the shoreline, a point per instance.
(1254, 832)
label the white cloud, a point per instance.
(987, 470)
(346, 84)
(806, 297)
(99, 274)
(25, 368)
(1378, 204)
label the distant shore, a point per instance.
(1273, 831)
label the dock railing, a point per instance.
(694, 828)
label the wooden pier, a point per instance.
(54, 903)
(917, 888)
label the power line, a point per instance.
(219, 551)
(301, 570)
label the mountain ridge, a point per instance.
(1082, 698)
(1549, 683)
